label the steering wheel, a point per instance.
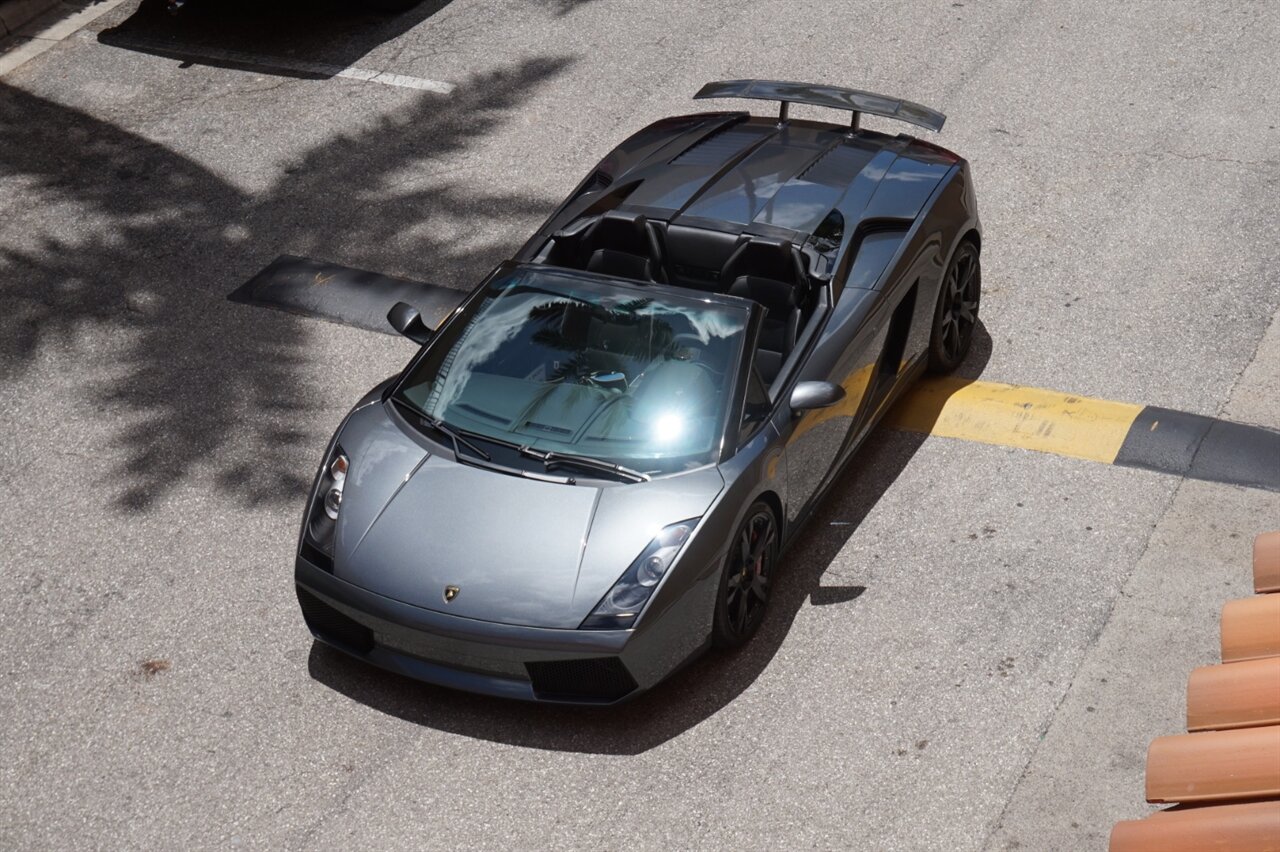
(701, 346)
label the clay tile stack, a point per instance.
(1224, 775)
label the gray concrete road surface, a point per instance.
(972, 645)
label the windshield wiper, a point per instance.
(553, 459)
(456, 435)
(548, 458)
(445, 429)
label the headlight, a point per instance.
(620, 606)
(322, 524)
(333, 502)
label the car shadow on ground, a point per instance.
(693, 694)
(294, 38)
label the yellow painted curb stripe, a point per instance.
(1046, 421)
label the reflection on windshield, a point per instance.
(575, 366)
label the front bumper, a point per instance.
(527, 663)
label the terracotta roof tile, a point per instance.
(1266, 562)
(1234, 695)
(1228, 768)
(1252, 827)
(1215, 766)
(1251, 628)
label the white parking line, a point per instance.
(272, 63)
(402, 80)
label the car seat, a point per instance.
(622, 245)
(781, 321)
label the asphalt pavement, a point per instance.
(971, 645)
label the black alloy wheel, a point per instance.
(746, 579)
(957, 312)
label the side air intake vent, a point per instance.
(332, 626)
(598, 180)
(600, 679)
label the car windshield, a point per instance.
(577, 366)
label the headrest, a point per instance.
(620, 231)
(765, 258)
(619, 264)
(774, 295)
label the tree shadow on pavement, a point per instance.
(203, 385)
(691, 695)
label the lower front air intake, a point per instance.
(603, 679)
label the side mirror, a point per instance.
(405, 319)
(809, 395)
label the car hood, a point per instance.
(519, 551)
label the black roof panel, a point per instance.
(733, 173)
(673, 185)
(805, 200)
(755, 174)
(744, 189)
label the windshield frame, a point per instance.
(739, 364)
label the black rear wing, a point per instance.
(835, 97)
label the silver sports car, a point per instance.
(586, 475)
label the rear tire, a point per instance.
(746, 578)
(956, 315)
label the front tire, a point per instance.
(745, 581)
(957, 313)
